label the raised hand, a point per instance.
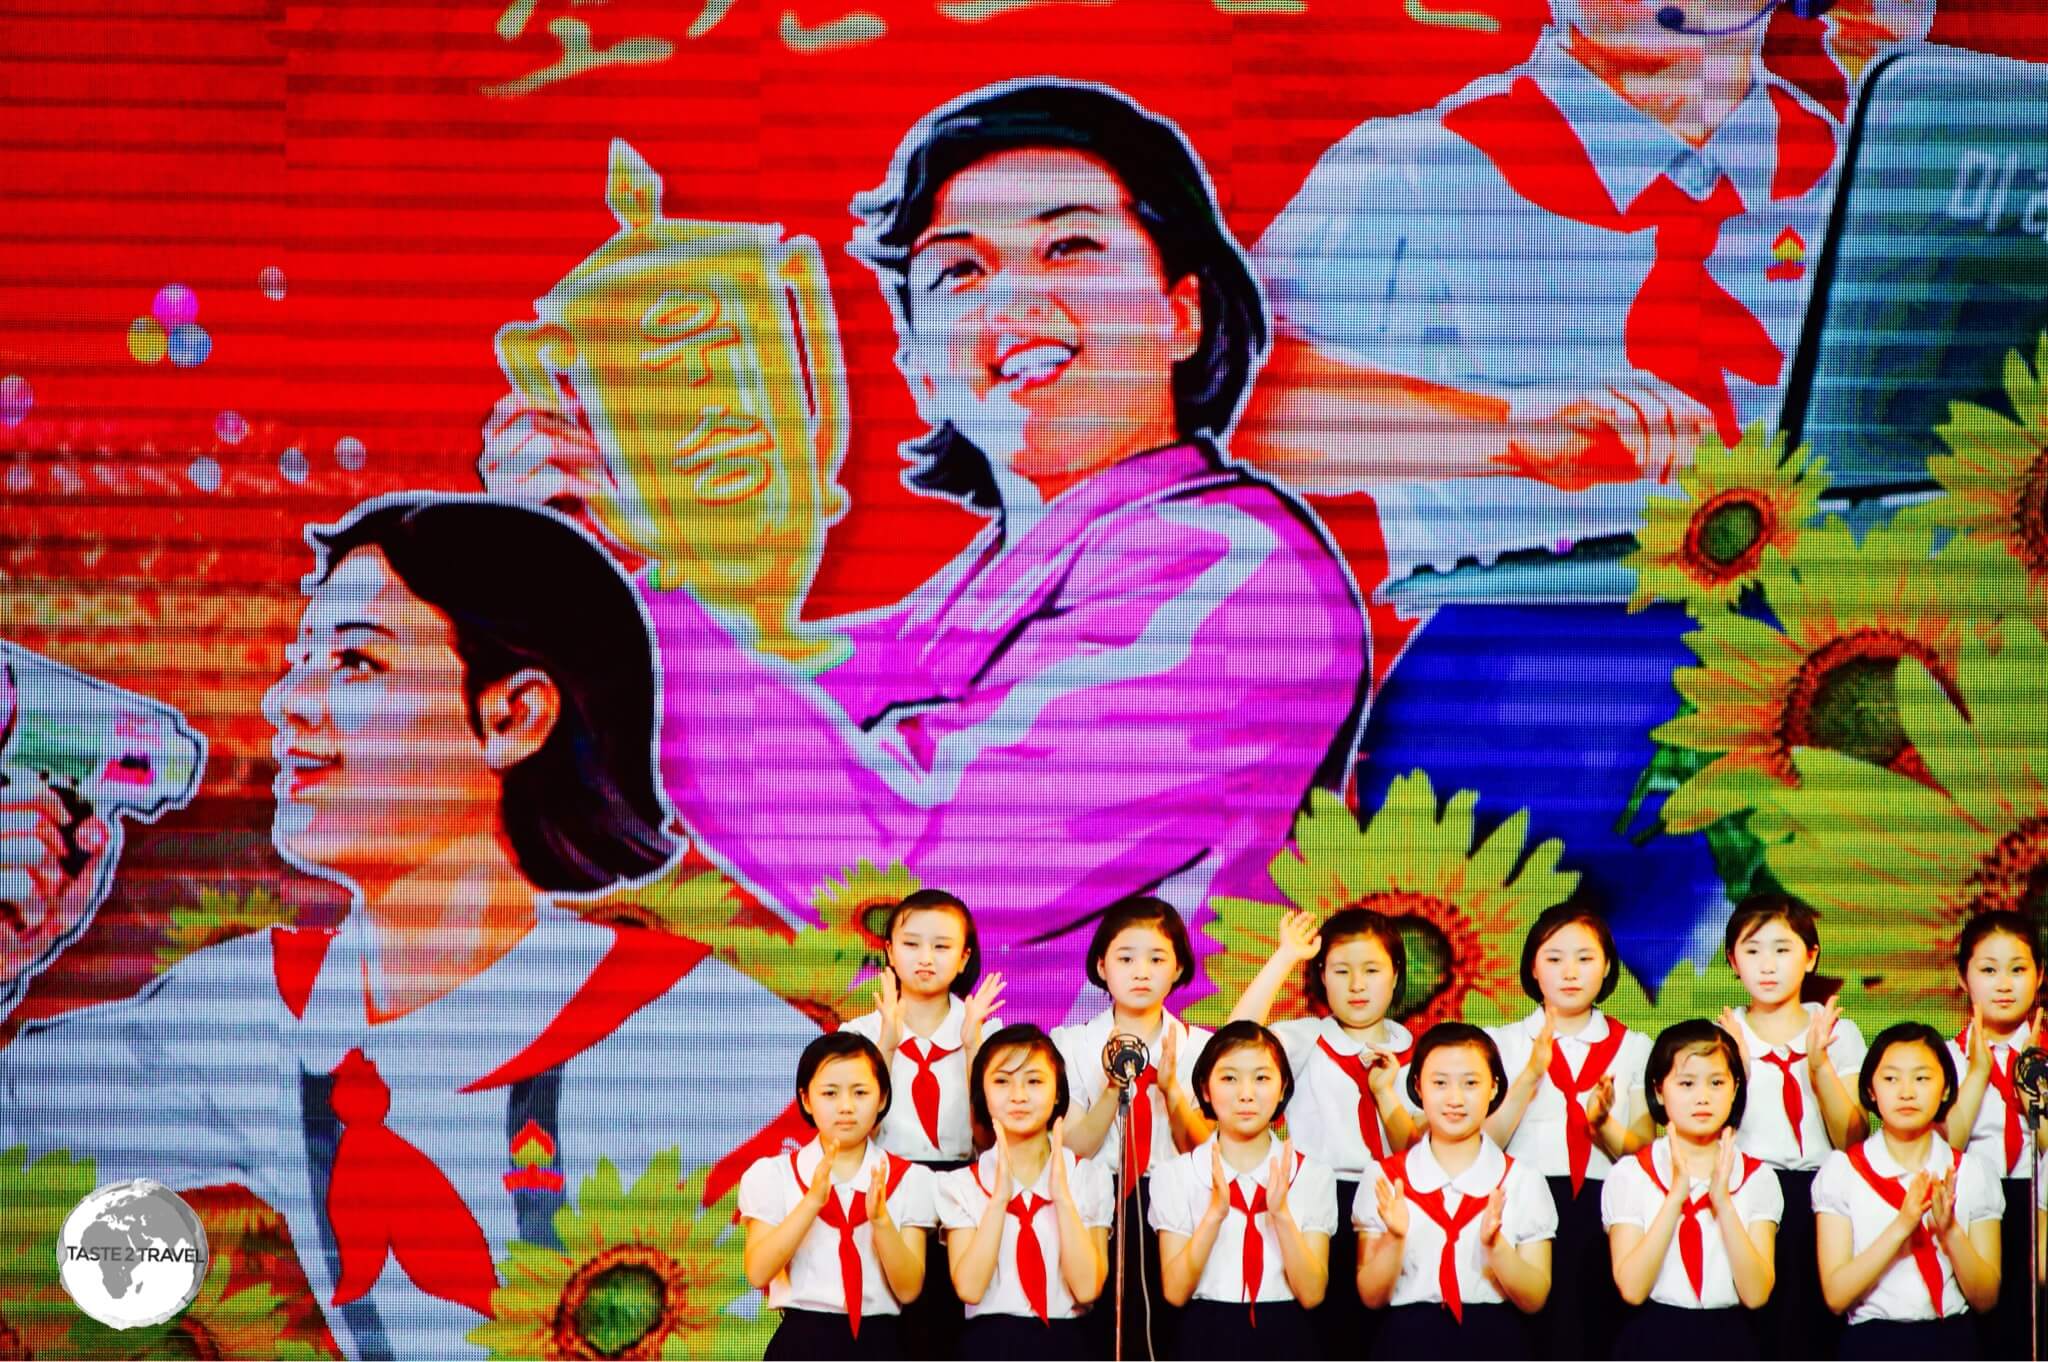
(1546, 1043)
(1919, 1198)
(1980, 1042)
(1169, 1060)
(1300, 937)
(890, 1004)
(1062, 1190)
(1380, 1068)
(42, 898)
(1600, 1101)
(1392, 1201)
(1277, 1180)
(1219, 1181)
(1681, 1180)
(980, 1005)
(1820, 1033)
(1941, 1204)
(1732, 1024)
(1724, 1165)
(1000, 1184)
(878, 1194)
(544, 458)
(820, 1189)
(1489, 1223)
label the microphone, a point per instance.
(1125, 1057)
(2030, 1076)
(1671, 18)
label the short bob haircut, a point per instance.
(1759, 910)
(1234, 1036)
(1450, 1035)
(840, 1045)
(938, 900)
(524, 588)
(1351, 924)
(1169, 193)
(1581, 908)
(1908, 1033)
(1997, 922)
(1142, 910)
(1695, 1037)
(1032, 1040)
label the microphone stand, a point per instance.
(2037, 1107)
(1124, 1188)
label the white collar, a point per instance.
(1592, 1033)
(1344, 1043)
(1258, 1177)
(1884, 1165)
(947, 1036)
(808, 1158)
(1660, 1157)
(1757, 1044)
(1425, 1174)
(1102, 1026)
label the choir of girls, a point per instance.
(1761, 1185)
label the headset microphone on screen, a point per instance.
(1672, 17)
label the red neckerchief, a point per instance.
(1578, 1131)
(1353, 1068)
(1431, 1204)
(846, 1222)
(1683, 326)
(385, 1194)
(1795, 1102)
(924, 1088)
(1141, 1121)
(1926, 1252)
(1252, 1264)
(1025, 1206)
(2001, 1079)
(1692, 1243)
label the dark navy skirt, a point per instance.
(1429, 1331)
(1953, 1339)
(826, 1334)
(1236, 1333)
(1654, 1330)
(1000, 1338)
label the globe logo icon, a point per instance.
(132, 1254)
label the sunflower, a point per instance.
(692, 903)
(1740, 506)
(35, 1313)
(1996, 477)
(220, 915)
(642, 1272)
(1848, 616)
(1462, 908)
(249, 1322)
(860, 900)
(1911, 862)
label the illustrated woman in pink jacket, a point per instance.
(1132, 678)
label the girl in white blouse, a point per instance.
(932, 1006)
(1244, 1221)
(1802, 1059)
(1998, 957)
(1691, 1220)
(1907, 1226)
(1027, 1224)
(1575, 1104)
(1454, 1235)
(835, 1230)
(1349, 1060)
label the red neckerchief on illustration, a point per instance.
(1353, 1068)
(1683, 327)
(1926, 1253)
(1578, 1131)
(2001, 1079)
(924, 1088)
(846, 1222)
(1431, 1204)
(1692, 1244)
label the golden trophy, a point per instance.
(706, 357)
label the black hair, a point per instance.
(1142, 910)
(1581, 908)
(840, 1045)
(1349, 924)
(938, 900)
(524, 588)
(1169, 194)
(1021, 1036)
(1687, 1038)
(1996, 922)
(1761, 908)
(1908, 1033)
(1448, 1035)
(1241, 1035)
